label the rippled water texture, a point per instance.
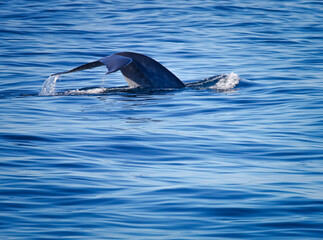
(236, 156)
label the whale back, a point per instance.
(155, 74)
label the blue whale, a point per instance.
(138, 70)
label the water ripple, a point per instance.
(228, 157)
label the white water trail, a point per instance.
(92, 91)
(48, 88)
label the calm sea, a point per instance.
(244, 162)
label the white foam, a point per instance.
(49, 85)
(91, 91)
(223, 82)
(228, 81)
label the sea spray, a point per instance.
(227, 82)
(222, 82)
(48, 87)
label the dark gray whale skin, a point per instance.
(138, 70)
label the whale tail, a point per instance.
(82, 67)
(137, 69)
(113, 63)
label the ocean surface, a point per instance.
(236, 156)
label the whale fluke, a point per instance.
(137, 69)
(115, 62)
(82, 67)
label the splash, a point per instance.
(228, 81)
(48, 88)
(223, 82)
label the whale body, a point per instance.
(137, 69)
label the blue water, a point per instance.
(194, 163)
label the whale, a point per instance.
(138, 70)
